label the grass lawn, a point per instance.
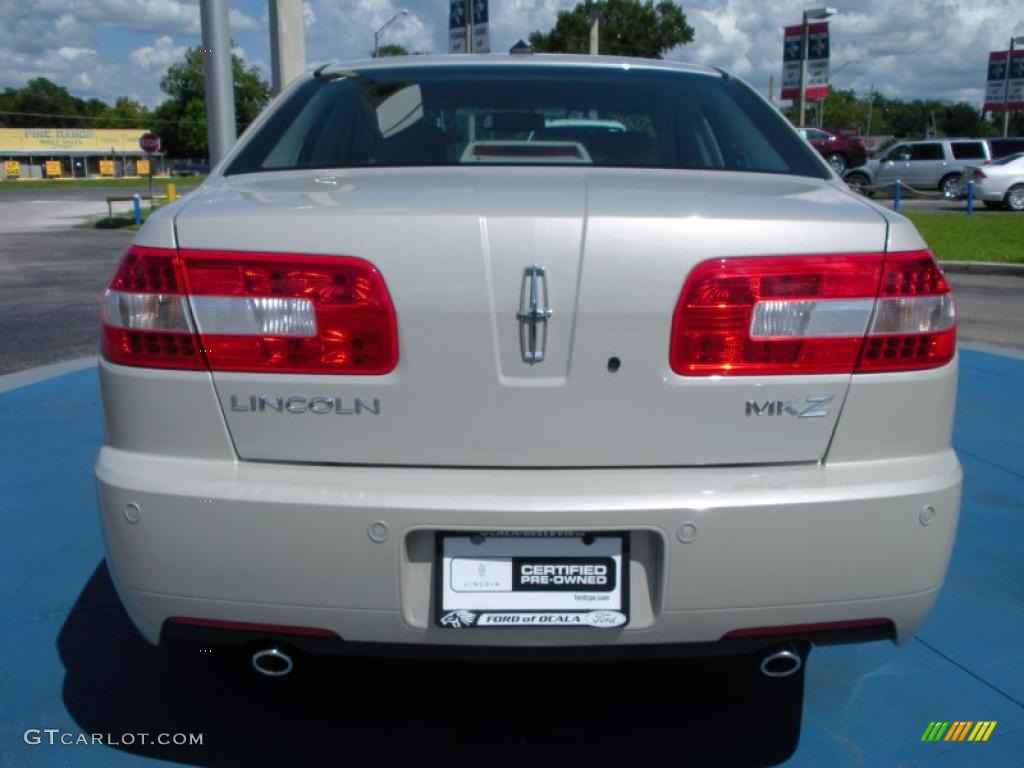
(158, 183)
(990, 236)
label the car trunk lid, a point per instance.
(606, 252)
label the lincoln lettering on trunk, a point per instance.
(319, 405)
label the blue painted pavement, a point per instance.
(71, 661)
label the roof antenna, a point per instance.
(521, 48)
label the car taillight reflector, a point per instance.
(914, 324)
(813, 314)
(799, 629)
(144, 313)
(256, 312)
(248, 626)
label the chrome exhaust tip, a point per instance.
(781, 662)
(272, 662)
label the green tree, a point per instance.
(41, 97)
(126, 113)
(961, 119)
(845, 110)
(181, 119)
(627, 28)
(390, 49)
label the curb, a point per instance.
(983, 267)
(9, 381)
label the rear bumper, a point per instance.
(287, 545)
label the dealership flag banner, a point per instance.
(817, 62)
(481, 37)
(995, 89)
(457, 26)
(478, 26)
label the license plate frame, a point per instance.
(490, 579)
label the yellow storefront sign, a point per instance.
(53, 140)
(12, 169)
(106, 167)
(142, 167)
(53, 168)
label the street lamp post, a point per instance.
(817, 14)
(379, 32)
(1006, 88)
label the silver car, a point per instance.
(1000, 184)
(931, 164)
(411, 371)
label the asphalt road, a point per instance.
(35, 210)
(83, 193)
(51, 278)
(50, 284)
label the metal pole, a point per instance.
(871, 108)
(220, 94)
(771, 89)
(1006, 89)
(970, 195)
(595, 32)
(804, 34)
(469, 26)
(288, 43)
(896, 195)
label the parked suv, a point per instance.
(842, 152)
(931, 164)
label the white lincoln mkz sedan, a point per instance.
(528, 354)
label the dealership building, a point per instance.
(35, 153)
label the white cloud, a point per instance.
(159, 56)
(922, 49)
(925, 49)
(345, 29)
(70, 53)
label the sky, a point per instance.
(902, 48)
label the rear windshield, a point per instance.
(1002, 147)
(533, 115)
(1008, 159)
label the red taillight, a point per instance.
(914, 322)
(977, 174)
(812, 314)
(256, 312)
(145, 317)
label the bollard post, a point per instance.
(172, 193)
(137, 209)
(970, 196)
(896, 194)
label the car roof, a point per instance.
(939, 138)
(515, 60)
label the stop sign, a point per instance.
(150, 143)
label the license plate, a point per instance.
(532, 579)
